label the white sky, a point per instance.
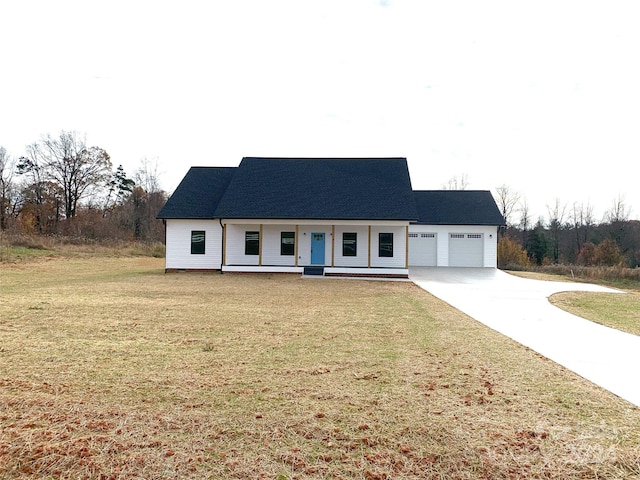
(542, 96)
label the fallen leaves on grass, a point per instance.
(208, 376)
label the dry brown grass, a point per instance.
(617, 277)
(111, 369)
(621, 312)
(15, 248)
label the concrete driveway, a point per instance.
(519, 308)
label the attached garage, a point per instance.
(466, 250)
(455, 228)
(423, 251)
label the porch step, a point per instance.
(314, 271)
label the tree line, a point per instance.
(62, 186)
(569, 234)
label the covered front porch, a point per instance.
(339, 248)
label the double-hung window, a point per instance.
(287, 243)
(252, 243)
(349, 244)
(197, 242)
(385, 244)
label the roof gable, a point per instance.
(457, 207)
(198, 194)
(320, 188)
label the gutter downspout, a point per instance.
(164, 224)
(223, 245)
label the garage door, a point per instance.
(466, 250)
(422, 250)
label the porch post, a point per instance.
(224, 243)
(406, 245)
(296, 247)
(333, 243)
(260, 242)
(369, 248)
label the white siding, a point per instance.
(234, 245)
(179, 244)
(399, 247)
(490, 247)
(489, 233)
(270, 243)
(362, 242)
(178, 247)
(271, 238)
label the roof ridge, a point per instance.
(450, 190)
(326, 158)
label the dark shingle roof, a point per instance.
(457, 207)
(324, 189)
(320, 188)
(199, 193)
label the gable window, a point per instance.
(349, 244)
(385, 244)
(197, 242)
(252, 243)
(287, 243)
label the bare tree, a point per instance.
(69, 163)
(8, 199)
(525, 219)
(618, 219)
(40, 208)
(507, 201)
(145, 201)
(37, 192)
(619, 211)
(147, 175)
(583, 221)
(457, 182)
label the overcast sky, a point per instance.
(540, 96)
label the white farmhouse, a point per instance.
(325, 216)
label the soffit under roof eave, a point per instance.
(458, 224)
(316, 221)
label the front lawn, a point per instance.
(111, 369)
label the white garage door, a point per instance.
(466, 250)
(422, 250)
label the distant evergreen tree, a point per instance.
(537, 246)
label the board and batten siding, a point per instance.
(443, 232)
(178, 245)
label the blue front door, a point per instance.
(317, 248)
